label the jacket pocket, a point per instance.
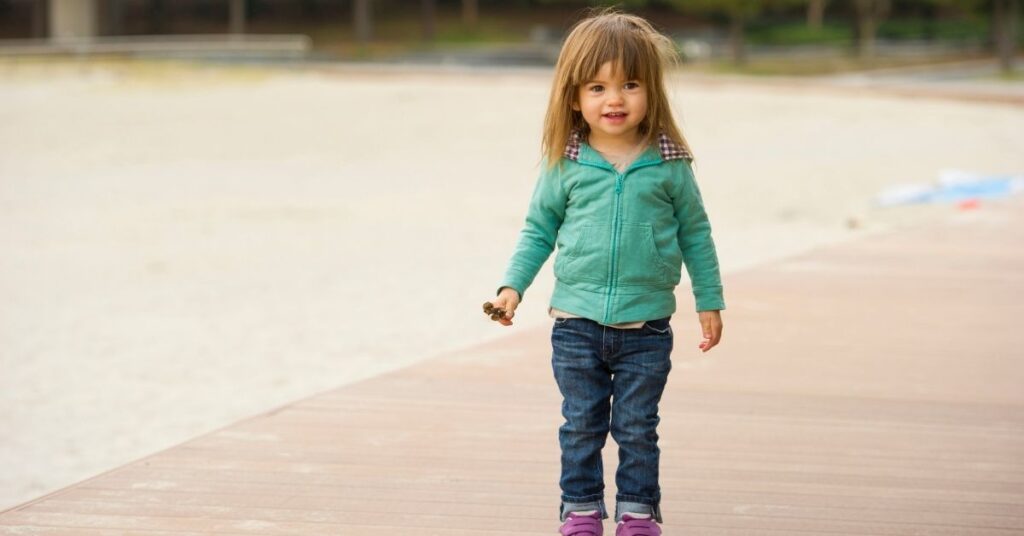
(639, 262)
(587, 258)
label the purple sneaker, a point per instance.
(576, 525)
(631, 526)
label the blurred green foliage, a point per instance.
(975, 27)
(798, 33)
(837, 32)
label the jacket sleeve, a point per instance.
(537, 239)
(695, 241)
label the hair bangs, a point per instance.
(616, 42)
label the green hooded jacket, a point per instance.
(622, 238)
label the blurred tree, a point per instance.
(362, 18)
(40, 14)
(111, 17)
(428, 19)
(816, 13)
(869, 14)
(156, 16)
(738, 12)
(1005, 14)
(310, 9)
(237, 17)
(470, 13)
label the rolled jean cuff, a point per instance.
(582, 506)
(624, 507)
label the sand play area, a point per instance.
(188, 245)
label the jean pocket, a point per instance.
(660, 327)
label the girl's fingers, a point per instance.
(713, 340)
(711, 337)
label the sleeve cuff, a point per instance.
(709, 299)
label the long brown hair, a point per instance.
(630, 43)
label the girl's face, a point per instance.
(612, 106)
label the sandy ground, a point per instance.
(184, 246)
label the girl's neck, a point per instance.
(615, 144)
(619, 152)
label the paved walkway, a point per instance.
(869, 388)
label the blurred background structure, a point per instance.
(767, 36)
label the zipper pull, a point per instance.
(618, 184)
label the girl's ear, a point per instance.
(576, 106)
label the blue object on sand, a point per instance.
(953, 186)
(985, 188)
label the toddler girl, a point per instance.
(617, 197)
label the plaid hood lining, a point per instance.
(669, 149)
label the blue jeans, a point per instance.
(610, 379)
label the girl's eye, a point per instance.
(596, 89)
(632, 85)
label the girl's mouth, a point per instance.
(615, 117)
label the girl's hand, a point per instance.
(508, 299)
(711, 326)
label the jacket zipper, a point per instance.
(620, 178)
(614, 256)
